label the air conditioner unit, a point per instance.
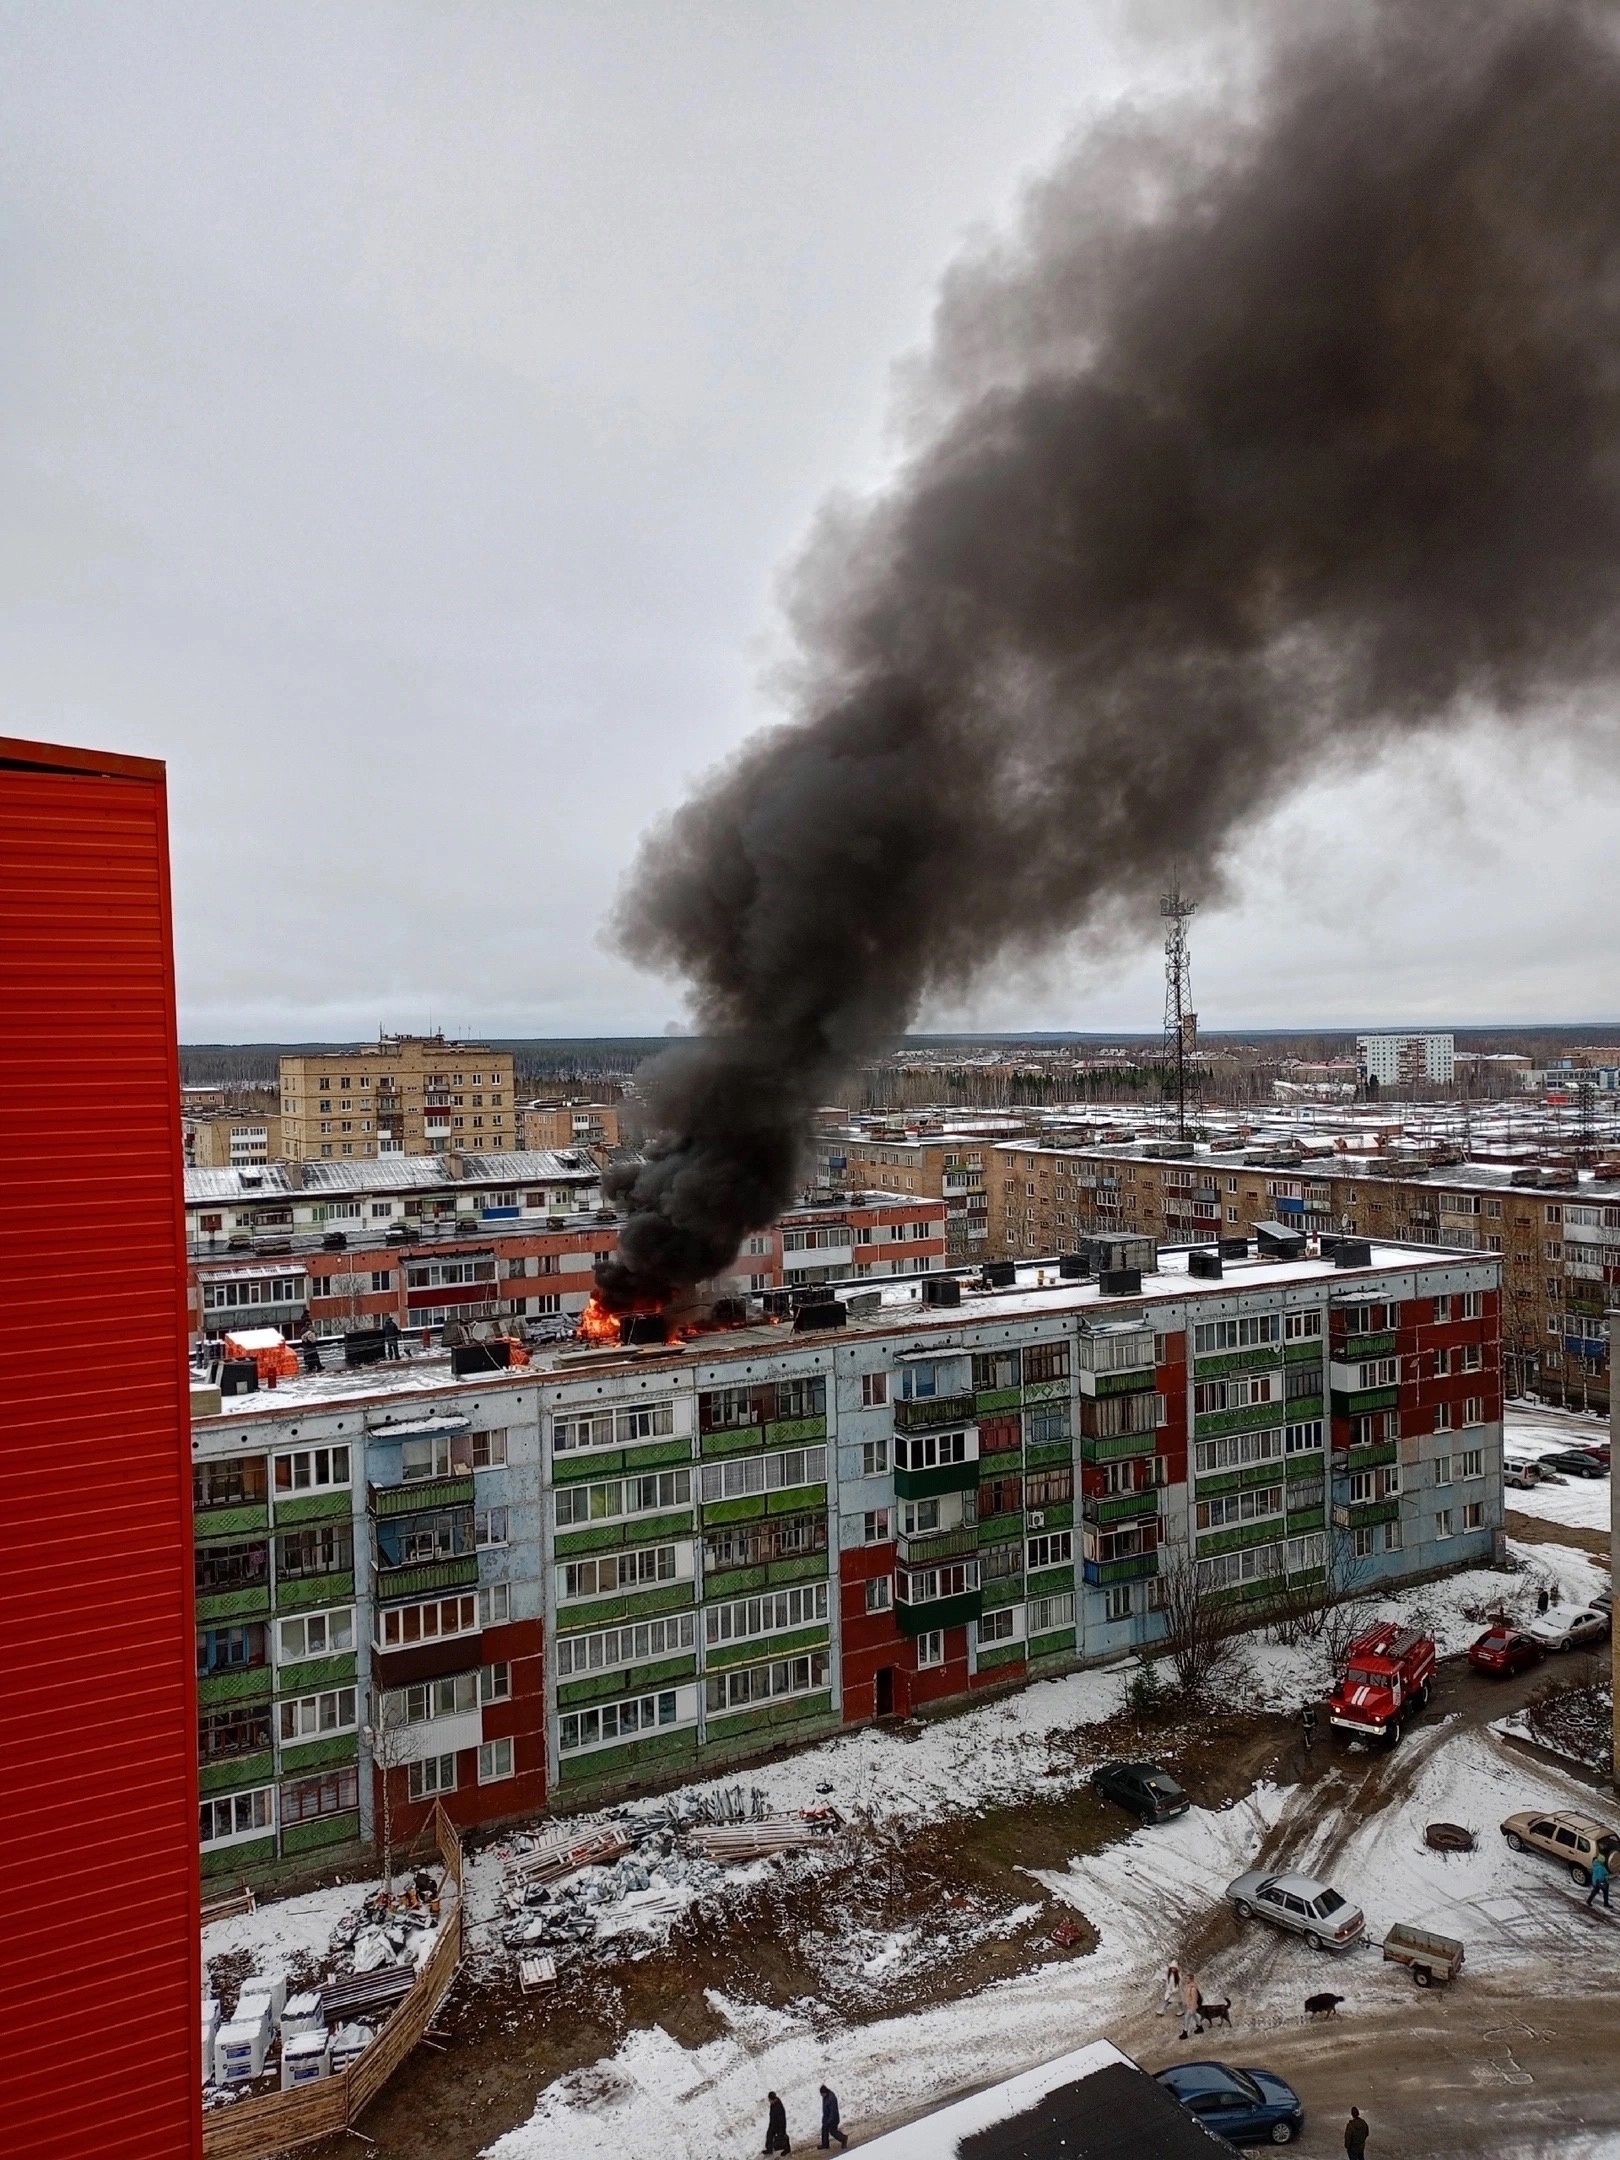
(1037, 1519)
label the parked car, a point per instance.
(1573, 1840)
(1569, 1630)
(1599, 1448)
(1505, 1650)
(1142, 1787)
(1520, 1475)
(1604, 1602)
(1310, 1908)
(1246, 2107)
(1573, 1462)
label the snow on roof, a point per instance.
(256, 1338)
(1093, 2103)
(388, 1173)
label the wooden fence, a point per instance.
(276, 2122)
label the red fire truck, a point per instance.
(1386, 1679)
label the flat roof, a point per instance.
(384, 1173)
(891, 1305)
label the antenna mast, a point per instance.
(1180, 1021)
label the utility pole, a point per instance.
(1180, 1021)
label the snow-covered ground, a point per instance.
(1579, 1503)
(1020, 1746)
(1143, 1895)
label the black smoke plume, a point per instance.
(1276, 433)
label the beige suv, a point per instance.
(1576, 1840)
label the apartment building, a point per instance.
(862, 1235)
(421, 1239)
(760, 1534)
(402, 1095)
(1557, 1232)
(368, 1610)
(1427, 1058)
(569, 1125)
(231, 1139)
(946, 1163)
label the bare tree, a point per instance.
(390, 1748)
(1200, 1629)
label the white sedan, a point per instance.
(1568, 1630)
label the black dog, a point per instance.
(1216, 2013)
(1323, 2005)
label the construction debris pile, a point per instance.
(257, 2035)
(623, 1881)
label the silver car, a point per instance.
(1312, 1909)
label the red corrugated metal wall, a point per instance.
(102, 1967)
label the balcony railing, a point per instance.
(928, 1546)
(1119, 1507)
(1138, 1567)
(927, 1415)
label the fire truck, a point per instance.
(1386, 1679)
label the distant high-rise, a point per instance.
(1419, 1059)
(402, 1095)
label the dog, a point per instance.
(1323, 2005)
(1216, 2013)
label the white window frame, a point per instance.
(338, 1624)
(317, 1717)
(930, 1649)
(432, 1777)
(496, 1762)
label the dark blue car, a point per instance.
(1247, 2107)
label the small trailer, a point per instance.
(1431, 1959)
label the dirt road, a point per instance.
(1463, 2071)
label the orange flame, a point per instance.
(598, 1325)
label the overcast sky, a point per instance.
(407, 412)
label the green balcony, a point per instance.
(1258, 1359)
(422, 1497)
(1357, 1347)
(308, 1593)
(927, 1484)
(214, 1607)
(1373, 1456)
(1254, 1418)
(1363, 1404)
(942, 1613)
(1136, 1567)
(1361, 1514)
(1117, 1447)
(1116, 1383)
(245, 1684)
(252, 1519)
(930, 1416)
(1119, 1507)
(795, 1432)
(990, 1402)
(460, 1572)
(932, 1545)
(297, 1508)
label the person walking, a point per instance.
(829, 2119)
(1355, 2134)
(1600, 1882)
(1191, 2022)
(390, 1328)
(1172, 1988)
(776, 2137)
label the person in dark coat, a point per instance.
(829, 2119)
(776, 2137)
(1355, 2134)
(390, 1328)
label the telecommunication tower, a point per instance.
(1180, 1021)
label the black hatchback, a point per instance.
(1142, 1787)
